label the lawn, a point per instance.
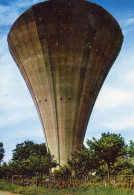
(85, 190)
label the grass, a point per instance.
(33, 190)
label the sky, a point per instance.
(114, 108)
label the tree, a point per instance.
(123, 166)
(62, 173)
(31, 159)
(40, 164)
(82, 161)
(108, 148)
(5, 172)
(25, 149)
(131, 149)
(2, 151)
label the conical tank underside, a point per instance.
(64, 50)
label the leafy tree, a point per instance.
(62, 173)
(83, 161)
(41, 164)
(102, 171)
(25, 149)
(108, 148)
(32, 159)
(123, 166)
(5, 172)
(2, 151)
(131, 149)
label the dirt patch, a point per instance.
(7, 193)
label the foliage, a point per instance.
(2, 151)
(108, 155)
(122, 166)
(78, 190)
(25, 149)
(131, 149)
(63, 173)
(83, 161)
(29, 159)
(108, 148)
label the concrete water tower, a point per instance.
(64, 50)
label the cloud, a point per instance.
(3, 48)
(19, 135)
(129, 21)
(129, 76)
(10, 12)
(118, 89)
(127, 24)
(19, 120)
(10, 118)
(124, 122)
(112, 98)
(22, 4)
(34, 132)
(8, 15)
(16, 104)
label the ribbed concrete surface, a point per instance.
(64, 50)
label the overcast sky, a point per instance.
(114, 108)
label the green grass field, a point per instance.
(33, 190)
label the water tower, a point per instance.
(64, 50)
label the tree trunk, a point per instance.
(115, 179)
(12, 180)
(108, 175)
(41, 177)
(37, 182)
(105, 180)
(22, 180)
(129, 182)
